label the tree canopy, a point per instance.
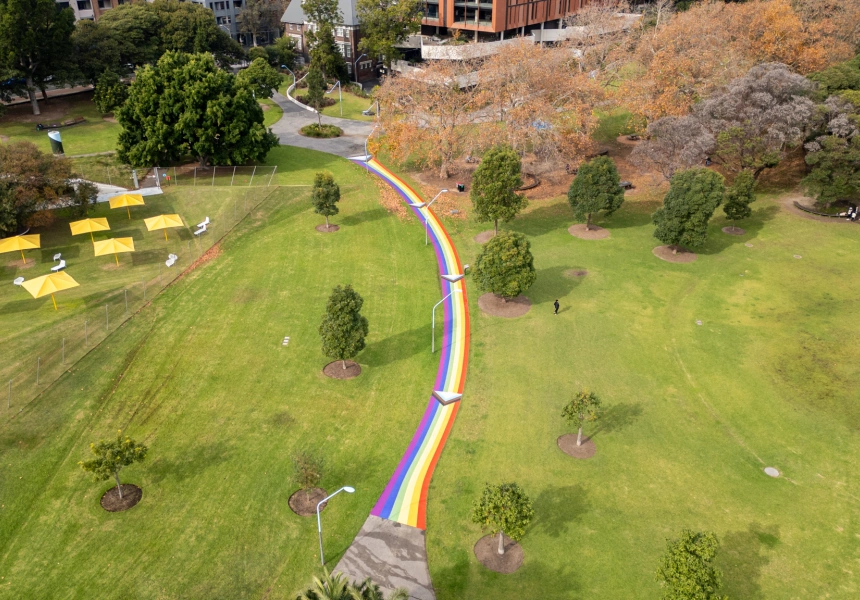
(739, 196)
(111, 456)
(493, 187)
(504, 509)
(505, 266)
(324, 53)
(260, 78)
(387, 23)
(325, 195)
(343, 327)
(584, 406)
(110, 92)
(834, 156)
(185, 105)
(692, 198)
(259, 16)
(596, 187)
(686, 571)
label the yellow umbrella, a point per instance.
(88, 226)
(163, 222)
(113, 246)
(126, 200)
(20, 242)
(48, 284)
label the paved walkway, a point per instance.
(351, 143)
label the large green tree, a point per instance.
(739, 196)
(283, 52)
(505, 266)
(692, 198)
(186, 105)
(596, 187)
(493, 187)
(31, 180)
(840, 77)
(110, 92)
(260, 78)
(259, 16)
(504, 509)
(316, 89)
(834, 156)
(35, 40)
(387, 23)
(686, 571)
(325, 195)
(324, 52)
(584, 406)
(96, 50)
(111, 456)
(343, 327)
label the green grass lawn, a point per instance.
(352, 107)
(201, 376)
(95, 135)
(611, 124)
(272, 114)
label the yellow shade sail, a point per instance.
(126, 200)
(88, 226)
(163, 222)
(20, 242)
(49, 285)
(113, 246)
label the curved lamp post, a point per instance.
(427, 205)
(355, 66)
(367, 156)
(433, 327)
(348, 490)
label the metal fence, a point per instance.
(253, 176)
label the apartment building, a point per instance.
(496, 19)
(89, 9)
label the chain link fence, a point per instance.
(253, 176)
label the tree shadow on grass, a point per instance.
(556, 508)
(541, 220)
(148, 257)
(363, 217)
(618, 416)
(68, 252)
(627, 217)
(741, 560)
(27, 304)
(400, 345)
(190, 463)
(719, 241)
(552, 283)
(135, 234)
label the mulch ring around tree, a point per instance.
(335, 370)
(485, 236)
(593, 233)
(131, 495)
(20, 264)
(574, 273)
(567, 444)
(327, 228)
(487, 553)
(304, 502)
(683, 255)
(497, 307)
(734, 230)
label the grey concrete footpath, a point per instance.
(393, 555)
(351, 143)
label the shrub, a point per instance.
(321, 131)
(325, 101)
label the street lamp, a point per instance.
(355, 66)
(348, 490)
(428, 212)
(291, 73)
(433, 328)
(366, 154)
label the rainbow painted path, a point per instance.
(405, 497)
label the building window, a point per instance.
(103, 4)
(431, 11)
(364, 65)
(237, 4)
(349, 69)
(63, 5)
(84, 5)
(345, 49)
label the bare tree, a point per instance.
(596, 30)
(674, 143)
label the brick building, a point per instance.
(496, 19)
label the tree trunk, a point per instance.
(44, 93)
(326, 222)
(344, 364)
(579, 436)
(319, 119)
(203, 160)
(34, 102)
(443, 170)
(588, 222)
(675, 249)
(496, 228)
(118, 486)
(501, 543)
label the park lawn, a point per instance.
(201, 376)
(692, 413)
(95, 135)
(611, 124)
(352, 107)
(272, 114)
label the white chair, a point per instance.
(59, 267)
(18, 280)
(202, 229)
(171, 260)
(173, 257)
(57, 256)
(204, 223)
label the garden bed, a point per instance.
(321, 131)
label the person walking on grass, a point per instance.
(556, 305)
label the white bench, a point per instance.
(59, 267)
(171, 259)
(201, 229)
(18, 280)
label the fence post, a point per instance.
(233, 177)
(107, 318)
(275, 168)
(64, 350)
(38, 368)
(125, 292)
(86, 333)
(175, 180)
(9, 399)
(214, 168)
(159, 275)
(254, 172)
(144, 289)
(195, 177)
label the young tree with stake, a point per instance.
(343, 328)
(325, 195)
(738, 198)
(493, 186)
(308, 470)
(111, 456)
(585, 406)
(316, 90)
(690, 203)
(596, 187)
(503, 508)
(505, 266)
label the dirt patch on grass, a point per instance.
(732, 230)
(787, 202)
(567, 444)
(304, 502)
(112, 266)
(211, 254)
(22, 264)
(487, 553)
(485, 236)
(496, 306)
(683, 255)
(572, 273)
(4, 138)
(327, 228)
(110, 119)
(335, 370)
(594, 233)
(131, 495)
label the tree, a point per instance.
(260, 78)
(503, 508)
(283, 52)
(308, 470)
(96, 50)
(834, 156)
(584, 406)
(258, 16)
(596, 187)
(343, 328)
(316, 89)
(739, 196)
(505, 266)
(674, 143)
(31, 181)
(84, 196)
(325, 195)
(35, 39)
(387, 23)
(110, 92)
(693, 197)
(757, 117)
(844, 76)
(330, 586)
(324, 14)
(368, 590)
(686, 571)
(258, 52)
(185, 104)
(493, 187)
(111, 456)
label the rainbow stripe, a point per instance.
(405, 497)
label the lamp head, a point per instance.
(443, 191)
(349, 490)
